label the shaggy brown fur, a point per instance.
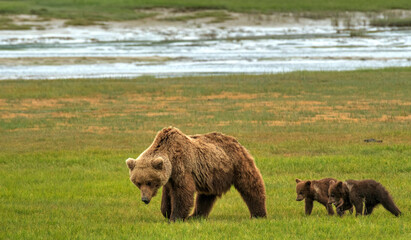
(314, 190)
(358, 193)
(207, 164)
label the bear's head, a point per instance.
(149, 174)
(336, 193)
(303, 189)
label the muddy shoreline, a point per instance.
(164, 17)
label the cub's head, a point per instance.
(303, 189)
(336, 193)
(149, 175)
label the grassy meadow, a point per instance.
(98, 10)
(63, 146)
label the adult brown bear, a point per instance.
(207, 164)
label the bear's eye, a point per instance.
(138, 184)
(301, 192)
(149, 184)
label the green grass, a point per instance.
(98, 10)
(63, 145)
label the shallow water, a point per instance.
(176, 51)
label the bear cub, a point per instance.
(317, 190)
(368, 192)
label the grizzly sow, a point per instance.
(358, 193)
(314, 190)
(205, 164)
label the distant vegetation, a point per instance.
(98, 10)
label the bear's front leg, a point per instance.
(166, 202)
(330, 209)
(182, 200)
(309, 203)
(358, 204)
(340, 211)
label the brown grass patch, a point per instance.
(25, 129)
(63, 115)
(157, 114)
(277, 123)
(386, 118)
(172, 99)
(333, 116)
(9, 115)
(97, 129)
(230, 95)
(304, 103)
(395, 102)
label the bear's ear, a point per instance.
(331, 182)
(157, 163)
(131, 163)
(297, 180)
(308, 183)
(339, 184)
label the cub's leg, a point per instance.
(329, 208)
(368, 209)
(309, 203)
(389, 204)
(358, 204)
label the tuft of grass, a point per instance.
(80, 22)
(7, 24)
(391, 22)
(216, 16)
(358, 33)
(63, 144)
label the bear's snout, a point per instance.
(299, 197)
(145, 200)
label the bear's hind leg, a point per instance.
(204, 204)
(252, 190)
(358, 204)
(389, 204)
(368, 209)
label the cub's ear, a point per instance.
(131, 163)
(157, 163)
(297, 180)
(308, 183)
